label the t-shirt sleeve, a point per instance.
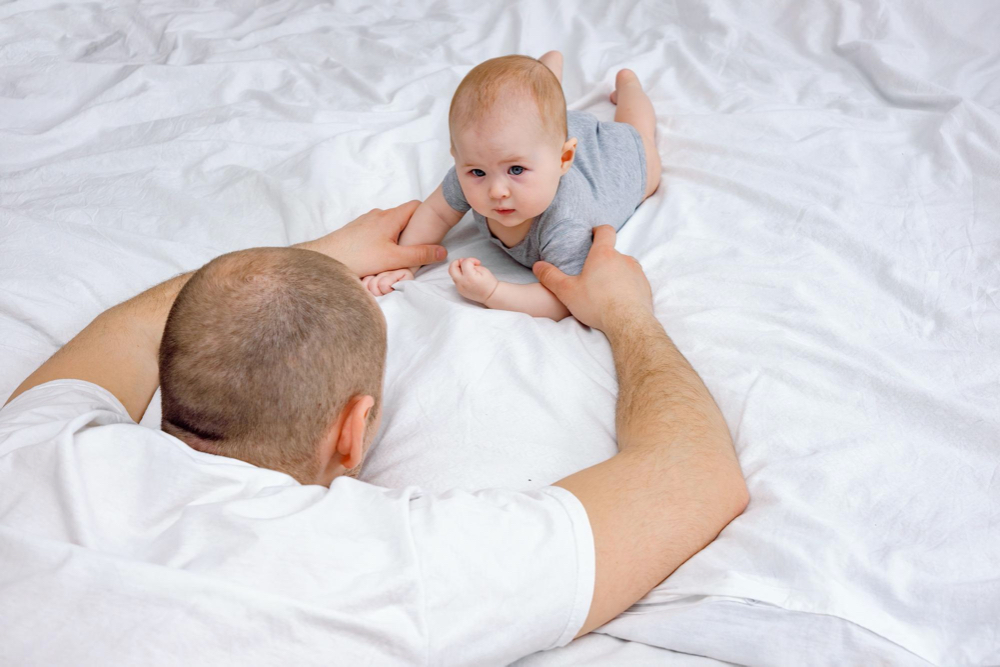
(41, 413)
(505, 573)
(452, 191)
(565, 245)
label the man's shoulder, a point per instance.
(68, 392)
(43, 412)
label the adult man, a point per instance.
(197, 557)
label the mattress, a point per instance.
(823, 248)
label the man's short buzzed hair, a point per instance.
(498, 80)
(262, 350)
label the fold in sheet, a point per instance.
(823, 249)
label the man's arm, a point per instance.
(676, 482)
(119, 350)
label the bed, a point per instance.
(824, 249)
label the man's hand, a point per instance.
(368, 245)
(611, 284)
(382, 284)
(473, 280)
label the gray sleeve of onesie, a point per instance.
(567, 246)
(452, 192)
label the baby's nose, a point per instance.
(499, 190)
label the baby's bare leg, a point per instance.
(554, 61)
(635, 109)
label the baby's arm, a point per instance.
(477, 283)
(532, 299)
(430, 223)
(432, 220)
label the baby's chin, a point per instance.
(509, 223)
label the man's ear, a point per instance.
(350, 447)
(568, 153)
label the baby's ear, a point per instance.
(568, 153)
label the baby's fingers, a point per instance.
(371, 284)
(386, 281)
(469, 264)
(455, 270)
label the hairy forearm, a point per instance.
(532, 299)
(118, 350)
(676, 482)
(150, 309)
(661, 399)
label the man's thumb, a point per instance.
(423, 254)
(549, 276)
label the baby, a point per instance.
(538, 178)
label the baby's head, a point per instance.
(508, 137)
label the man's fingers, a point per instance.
(400, 215)
(405, 209)
(413, 255)
(549, 276)
(605, 235)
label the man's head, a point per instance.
(275, 356)
(508, 137)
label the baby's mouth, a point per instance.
(504, 211)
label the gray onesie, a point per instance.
(603, 187)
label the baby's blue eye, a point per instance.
(478, 172)
(516, 170)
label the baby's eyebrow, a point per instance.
(512, 158)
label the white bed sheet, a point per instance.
(824, 249)
(596, 650)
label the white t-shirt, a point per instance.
(120, 544)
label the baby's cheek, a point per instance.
(541, 201)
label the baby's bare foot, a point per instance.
(625, 77)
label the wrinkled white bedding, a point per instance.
(824, 249)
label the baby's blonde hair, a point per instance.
(492, 83)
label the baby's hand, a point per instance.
(383, 282)
(473, 280)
